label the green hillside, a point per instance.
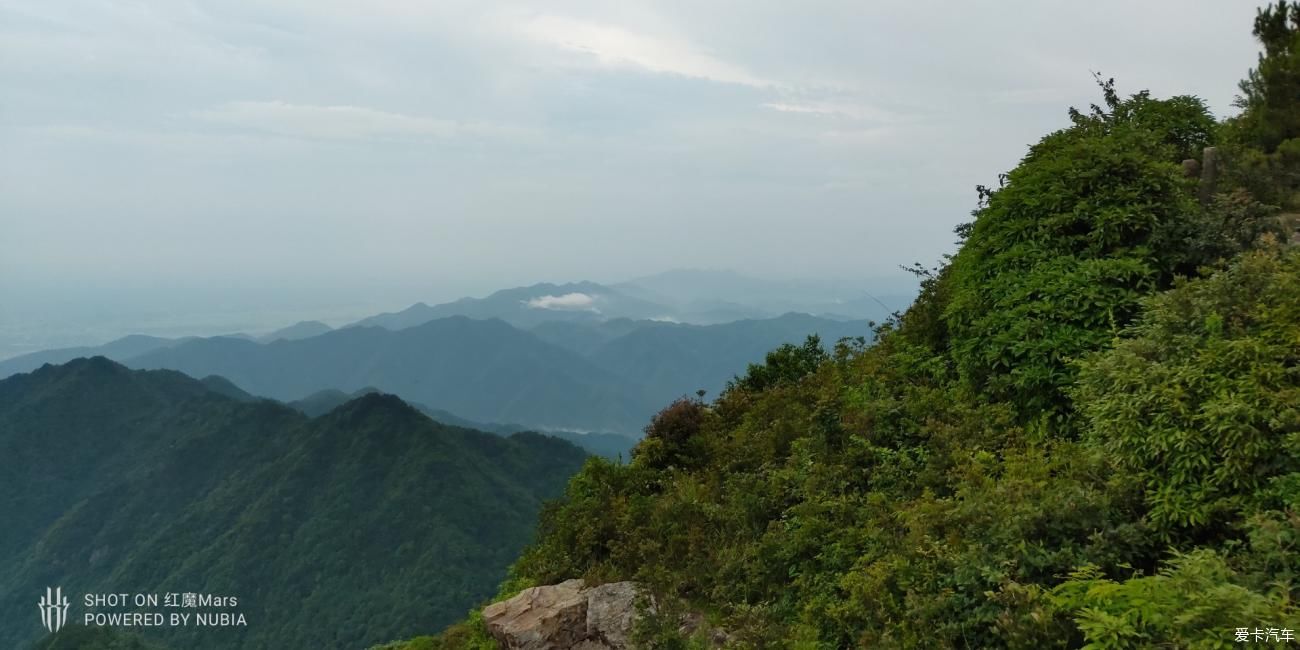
(1084, 433)
(81, 637)
(367, 523)
(609, 445)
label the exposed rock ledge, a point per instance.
(567, 616)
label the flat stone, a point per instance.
(552, 617)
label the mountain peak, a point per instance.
(300, 330)
(91, 366)
(100, 381)
(223, 386)
(375, 405)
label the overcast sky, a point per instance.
(320, 152)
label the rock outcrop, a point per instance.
(566, 616)
(540, 618)
(611, 613)
(1209, 175)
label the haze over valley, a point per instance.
(576, 357)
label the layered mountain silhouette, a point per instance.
(571, 376)
(300, 330)
(123, 348)
(366, 523)
(529, 306)
(671, 358)
(701, 297)
(674, 359)
(719, 296)
(484, 370)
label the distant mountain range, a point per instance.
(578, 376)
(577, 357)
(123, 348)
(484, 370)
(530, 306)
(713, 296)
(300, 330)
(366, 523)
(670, 360)
(684, 296)
(701, 297)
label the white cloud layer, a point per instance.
(832, 109)
(568, 302)
(618, 47)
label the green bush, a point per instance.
(1084, 433)
(1201, 398)
(1192, 602)
(1062, 254)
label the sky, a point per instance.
(234, 164)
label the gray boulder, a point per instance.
(553, 617)
(611, 613)
(567, 616)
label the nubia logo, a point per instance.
(54, 609)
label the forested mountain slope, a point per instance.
(1084, 433)
(610, 445)
(368, 522)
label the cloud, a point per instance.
(567, 302)
(616, 47)
(339, 122)
(830, 109)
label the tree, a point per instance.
(785, 364)
(1265, 139)
(1270, 94)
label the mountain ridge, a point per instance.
(559, 376)
(149, 481)
(485, 370)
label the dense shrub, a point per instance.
(1201, 399)
(1084, 432)
(1061, 255)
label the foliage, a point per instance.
(470, 634)
(1060, 256)
(369, 523)
(1192, 602)
(1234, 221)
(82, 637)
(1265, 138)
(787, 363)
(1182, 123)
(1082, 434)
(1270, 94)
(669, 435)
(1201, 399)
